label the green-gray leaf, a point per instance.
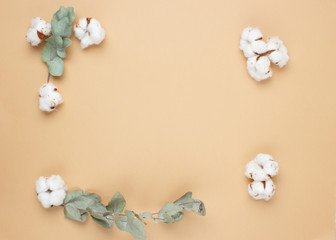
(76, 204)
(171, 213)
(121, 222)
(199, 207)
(98, 214)
(56, 66)
(61, 53)
(70, 211)
(61, 23)
(186, 202)
(66, 42)
(135, 227)
(117, 204)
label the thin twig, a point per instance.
(48, 77)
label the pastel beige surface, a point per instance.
(165, 105)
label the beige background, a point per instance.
(165, 105)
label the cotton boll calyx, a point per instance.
(261, 169)
(38, 31)
(89, 31)
(50, 98)
(51, 191)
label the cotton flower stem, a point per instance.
(48, 77)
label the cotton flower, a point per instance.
(260, 54)
(38, 31)
(89, 31)
(51, 191)
(49, 97)
(261, 169)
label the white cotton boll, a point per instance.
(269, 189)
(271, 168)
(259, 175)
(46, 104)
(44, 198)
(283, 61)
(256, 190)
(89, 31)
(255, 172)
(97, 33)
(86, 41)
(41, 185)
(254, 34)
(251, 62)
(261, 190)
(55, 182)
(248, 51)
(245, 33)
(259, 47)
(259, 76)
(274, 43)
(243, 44)
(38, 25)
(57, 197)
(32, 37)
(50, 98)
(79, 32)
(46, 88)
(275, 57)
(43, 27)
(251, 167)
(263, 158)
(263, 65)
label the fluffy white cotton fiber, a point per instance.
(50, 98)
(39, 29)
(51, 191)
(261, 170)
(262, 53)
(89, 31)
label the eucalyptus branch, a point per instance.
(78, 205)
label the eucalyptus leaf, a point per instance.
(121, 222)
(61, 23)
(199, 207)
(66, 42)
(134, 226)
(61, 53)
(186, 201)
(117, 204)
(76, 204)
(98, 214)
(171, 213)
(72, 212)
